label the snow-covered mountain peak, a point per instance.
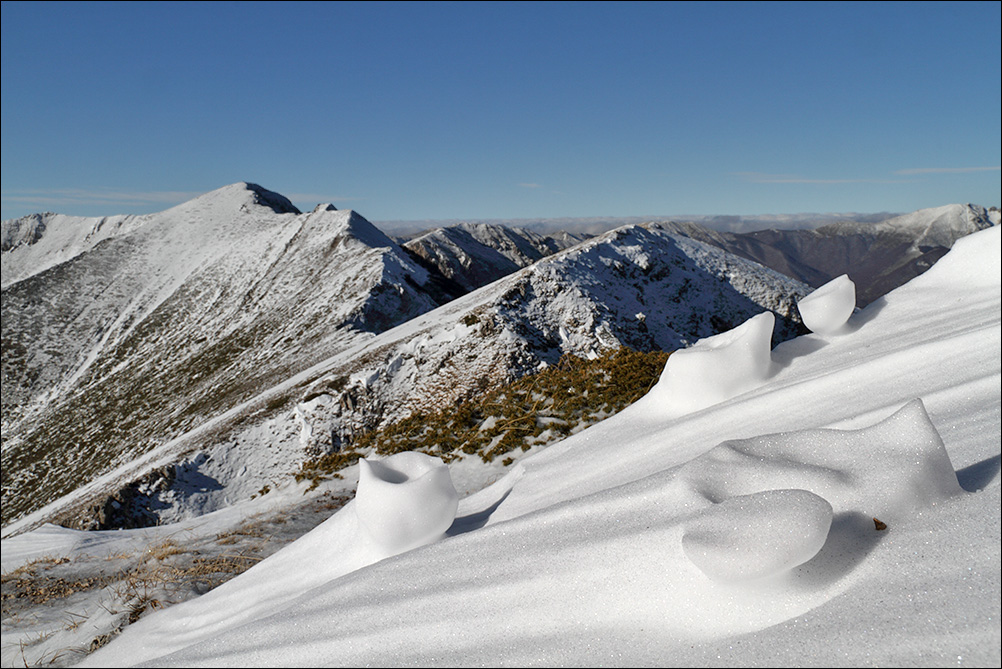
(345, 223)
(936, 226)
(474, 254)
(361, 229)
(241, 196)
(23, 231)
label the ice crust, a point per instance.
(827, 309)
(405, 501)
(758, 535)
(717, 368)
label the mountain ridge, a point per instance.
(160, 325)
(264, 294)
(240, 322)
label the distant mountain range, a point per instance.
(475, 254)
(165, 365)
(596, 225)
(878, 257)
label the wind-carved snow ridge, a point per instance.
(405, 501)
(827, 309)
(717, 368)
(772, 497)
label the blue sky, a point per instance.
(484, 110)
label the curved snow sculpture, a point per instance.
(405, 501)
(754, 536)
(717, 368)
(826, 310)
(777, 492)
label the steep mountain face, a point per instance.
(638, 286)
(146, 333)
(878, 257)
(475, 254)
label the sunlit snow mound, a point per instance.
(405, 501)
(758, 535)
(826, 310)
(772, 497)
(717, 368)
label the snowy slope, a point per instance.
(596, 550)
(33, 244)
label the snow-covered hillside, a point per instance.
(842, 508)
(176, 318)
(639, 287)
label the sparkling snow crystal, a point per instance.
(826, 310)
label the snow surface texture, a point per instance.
(584, 553)
(826, 310)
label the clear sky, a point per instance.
(498, 110)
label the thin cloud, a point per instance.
(77, 196)
(764, 178)
(948, 170)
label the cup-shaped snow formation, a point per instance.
(759, 535)
(717, 368)
(826, 310)
(405, 501)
